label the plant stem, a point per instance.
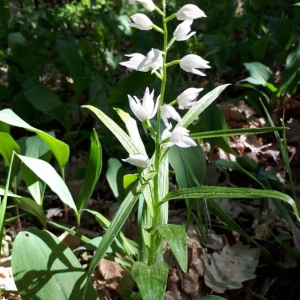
(157, 209)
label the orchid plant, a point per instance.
(151, 190)
(34, 249)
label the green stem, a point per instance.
(157, 208)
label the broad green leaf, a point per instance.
(202, 104)
(119, 220)
(114, 175)
(92, 172)
(259, 74)
(45, 268)
(33, 208)
(233, 132)
(46, 101)
(119, 133)
(48, 174)
(189, 165)
(175, 235)
(132, 129)
(151, 280)
(60, 150)
(212, 192)
(7, 146)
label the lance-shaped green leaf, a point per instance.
(48, 174)
(7, 146)
(33, 208)
(233, 132)
(92, 172)
(118, 132)
(119, 219)
(211, 192)
(175, 235)
(201, 105)
(151, 280)
(45, 268)
(60, 150)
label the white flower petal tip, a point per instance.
(138, 160)
(134, 61)
(141, 21)
(182, 31)
(179, 137)
(147, 4)
(153, 60)
(147, 109)
(167, 112)
(191, 62)
(190, 12)
(189, 95)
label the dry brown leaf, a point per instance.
(231, 267)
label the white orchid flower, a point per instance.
(138, 160)
(190, 12)
(153, 60)
(147, 4)
(167, 112)
(134, 61)
(147, 109)
(182, 31)
(191, 62)
(141, 21)
(179, 137)
(186, 97)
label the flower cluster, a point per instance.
(155, 62)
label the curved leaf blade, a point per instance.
(93, 172)
(211, 192)
(48, 174)
(60, 150)
(119, 133)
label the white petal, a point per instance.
(190, 12)
(147, 4)
(190, 62)
(153, 60)
(134, 61)
(141, 21)
(137, 108)
(167, 112)
(182, 30)
(190, 94)
(139, 160)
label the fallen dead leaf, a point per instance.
(231, 267)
